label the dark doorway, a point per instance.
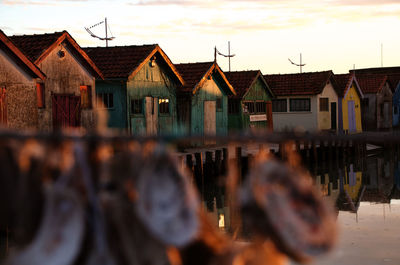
(333, 115)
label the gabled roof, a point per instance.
(21, 60)
(311, 83)
(392, 73)
(243, 80)
(38, 46)
(371, 83)
(344, 82)
(195, 74)
(122, 62)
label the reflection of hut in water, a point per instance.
(351, 190)
(378, 179)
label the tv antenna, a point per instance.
(300, 64)
(229, 56)
(107, 28)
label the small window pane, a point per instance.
(136, 106)
(261, 107)
(300, 104)
(105, 100)
(279, 105)
(324, 104)
(163, 104)
(248, 107)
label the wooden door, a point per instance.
(151, 105)
(351, 116)
(66, 111)
(333, 115)
(210, 120)
(3, 107)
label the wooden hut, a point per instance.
(377, 104)
(139, 88)
(68, 90)
(251, 107)
(305, 101)
(19, 78)
(203, 100)
(350, 99)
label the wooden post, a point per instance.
(199, 174)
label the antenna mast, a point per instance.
(300, 64)
(224, 55)
(107, 28)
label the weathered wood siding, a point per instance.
(20, 94)
(257, 92)
(117, 115)
(324, 117)
(369, 118)
(385, 114)
(241, 121)
(65, 76)
(152, 81)
(352, 95)
(210, 91)
(396, 106)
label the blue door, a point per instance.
(352, 116)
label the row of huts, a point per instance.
(47, 82)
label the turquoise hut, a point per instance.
(203, 100)
(139, 88)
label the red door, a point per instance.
(3, 107)
(66, 111)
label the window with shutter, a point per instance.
(86, 97)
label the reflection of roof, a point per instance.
(298, 84)
(374, 195)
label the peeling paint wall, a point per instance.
(20, 94)
(64, 76)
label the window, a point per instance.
(86, 97)
(136, 106)
(279, 105)
(324, 104)
(105, 100)
(261, 107)
(163, 105)
(233, 106)
(248, 107)
(219, 104)
(300, 104)
(40, 95)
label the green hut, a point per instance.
(251, 107)
(203, 100)
(139, 88)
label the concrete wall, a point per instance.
(324, 117)
(304, 121)
(20, 94)
(64, 76)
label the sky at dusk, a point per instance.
(330, 34)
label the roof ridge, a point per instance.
(211, 62)
(40, 34)
(121, 46)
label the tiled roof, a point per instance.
(393, 80)
(119, 61)
(241, 81)
(342, 82)
(371, 83)
(192, 73)
(20, 58)
(33, 46)
(298, 84)
(377, 70)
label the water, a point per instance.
(366, 194)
